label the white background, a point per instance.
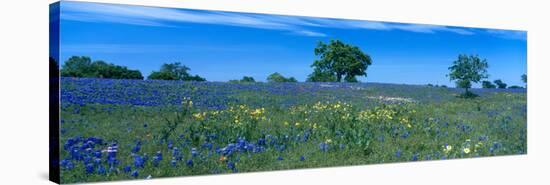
(24, 90)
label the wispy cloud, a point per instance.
(154, 16)
(509, 34)
(147, 48)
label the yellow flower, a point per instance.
(447, 148)
(297, 124)
(199, 116)
(466, 150)
(328, 141)
(286, 123)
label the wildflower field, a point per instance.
(137, 129)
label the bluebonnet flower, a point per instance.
(156, 160)
(127, 169)
(279, 158)
(97, 161)
(323, 146)
(302, 158)
(134, 173)
(398, 153)
(306, 136)
(66, 164)
(231, 165)
(173, 162)
(170, 144)
(176, 154)
(189, 163)
(75, 154)
(101, 170)
(207, 146)
(194, 152)
(482, 138)
(112, 151)
(97, 154)
(89, 168)
(281, 148)
(414, 157)
(139, 162)
(137, 147)
(261, 141)
(405, 134)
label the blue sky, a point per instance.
(221, 46)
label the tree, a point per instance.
(174, 71)
(82, 66)
(467, 70)
(338, 61)
(248, 79)
(277, 77)
(524, 79)
(488, 85)
(245, 79)
(321, 76)
(500, 84)
(515, 87)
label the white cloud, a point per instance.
(509, 34)
(155, 16)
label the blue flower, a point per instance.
(101, 170)
(398, 153)
(231, 165)
(134, 173)
(89, 168)
(323, 146)
(261, 141)
(279, 158)
(302, 158)
(139, 162)
(189, 163)
(97, 154)
(170, 144)
(194, 152)
(405, 134)
(127, 169)
(173, 162)
(66, 164)
(136, 148)
(414, 157)
(176, 154)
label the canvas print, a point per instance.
(142, 92)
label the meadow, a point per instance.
(139, 129)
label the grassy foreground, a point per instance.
(128, 129)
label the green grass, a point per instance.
(356, 132)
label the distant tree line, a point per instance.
(275, 77)
(82, 66)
